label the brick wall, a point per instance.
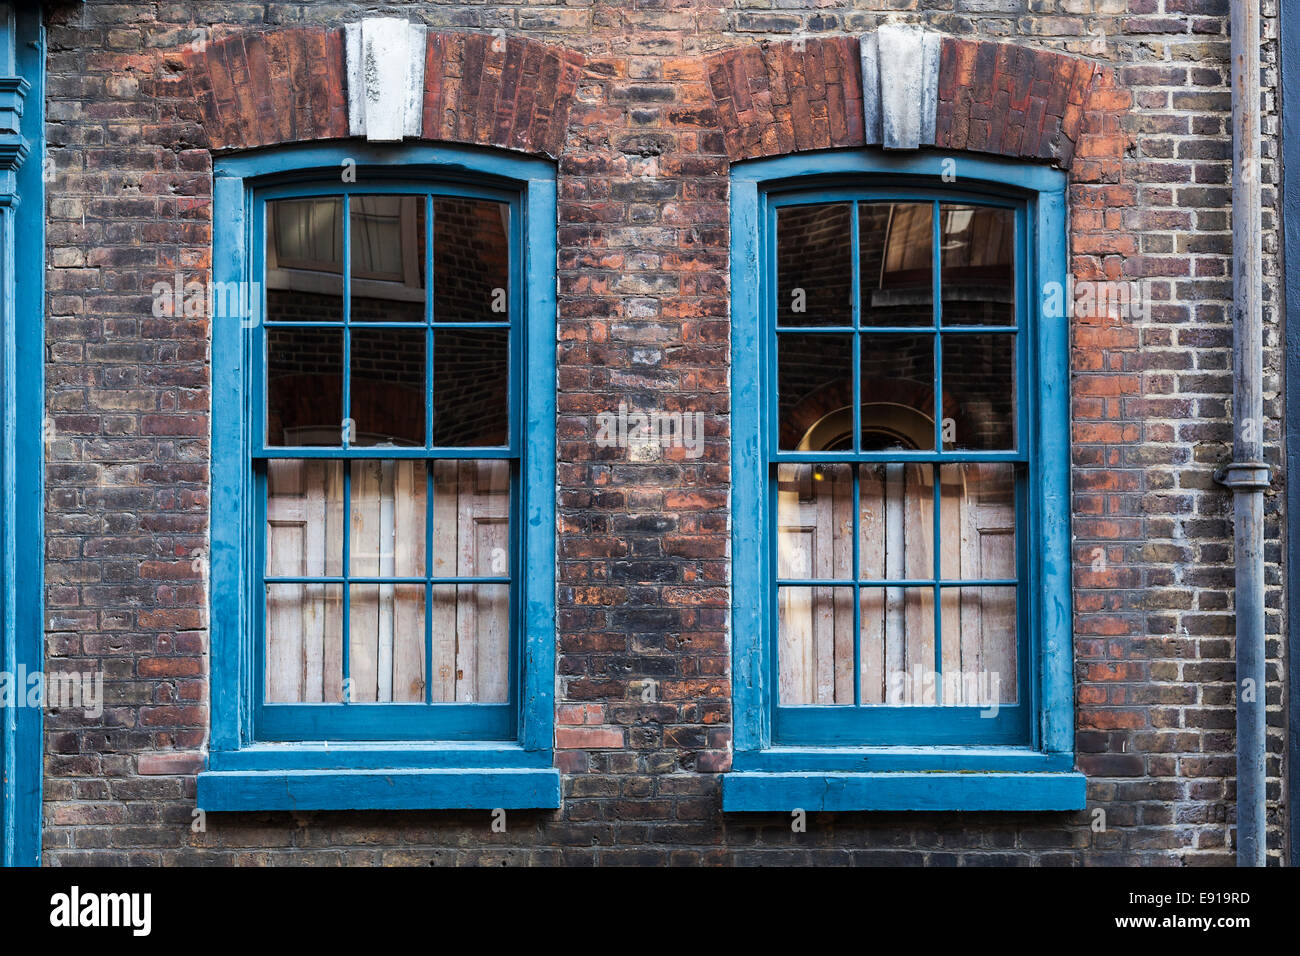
(656, 114)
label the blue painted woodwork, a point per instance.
(900, 790)
(391, 789)
(785, 754)
(22, 309)
(259, 752)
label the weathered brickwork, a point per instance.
(285, 86)
(643, 107)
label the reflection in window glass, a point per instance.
(911, 564)
(814, 265)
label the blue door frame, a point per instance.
(22, 294)
(1290, 40)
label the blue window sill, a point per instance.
(756, 791)
(404, 788)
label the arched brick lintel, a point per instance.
(285, 86)
(999, 98)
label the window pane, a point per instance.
(386, 643)
(388, 266)
(388, 518)
(388, 387)
(977, 521)
(815, 652)
(471, 643)
(979, 391)
(815, 391)
(304, 643)
(814, 265)
(895, 255)
(471, 387)
(898, 646)
(980, 668)
(305, 234)
(896, 505)
(304, 385)
(815, 521)
(897, 392)
(471, 260)
(304, 518)
(977, 265)
(471, 518)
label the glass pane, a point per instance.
(896, 263)
(814, 265)
(471, 260)
(815, 650)
(896, 507)
(977, 521)
(980, 667)
(815, 521)
(897, 392)
(815, 391)
(304, 643)
(305, 234)
(388, 387)
(898, 647)
(388, 518)
(977, 265)
(304, 386)
(979, 392)
(471, 387)
(471, 519)
(386, 643)
(471, 643)
(388, 266)
(304, 518)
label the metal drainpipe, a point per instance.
(1248, 475)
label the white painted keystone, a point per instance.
(900, 86)
(385, 59)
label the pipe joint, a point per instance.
(1245, 476)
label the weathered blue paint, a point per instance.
(391, 789)
(818, 744)
(1290, 54)
(421, 762)
(964, 759)
(22, 309)
(900, 790)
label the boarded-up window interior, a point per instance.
(388, 578)
(895, 559)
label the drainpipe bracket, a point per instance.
(1245, 476)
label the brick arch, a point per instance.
(265, 88)
(999, 98)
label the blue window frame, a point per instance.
(329, 391)
(844, 419)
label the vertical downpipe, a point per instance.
(1248, 475)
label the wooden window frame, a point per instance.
(381, 758)
(880, 757)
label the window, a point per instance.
(389, 465)
(383, 575)
(900, 402)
